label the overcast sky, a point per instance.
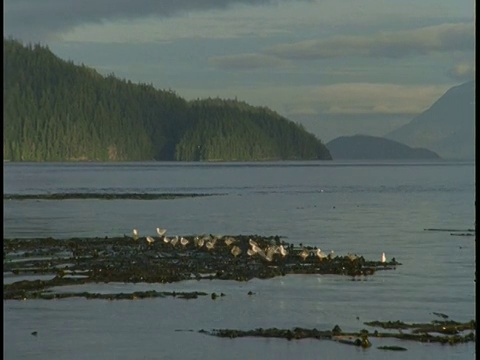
(339, 67)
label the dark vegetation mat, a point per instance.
(104, 196)
(162, 259)
(443, 332)
(166, 260)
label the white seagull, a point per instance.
(174, 241)
(150, 240)
(161, 232)
(255, 249)
(252, 243)
(229, 241)
(352, 257)
(250, 252)
(200, 242)
(236, 251)
(281, 250)
(320, 254)
(210, 244)
(135, 234)
(269, 253)
(304, 254)
(384, 258)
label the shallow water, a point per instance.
(358, 207)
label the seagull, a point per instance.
(166, 240)
(270, 251)
(332, 254)
(352, 257)
(195, 240)
(252, 243)
(200, 242)
(150, 240)
(321, 255)
(183, 241)
(384, 258)
(161, 232)
(135, 234)
(255, 249)
(281, 250)
(304, 254)
(210, 244)
(229, 241)
(236, 251)
(174, 241)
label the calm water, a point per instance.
(359, 207)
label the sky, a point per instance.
(338, 67)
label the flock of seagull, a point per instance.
(254, 249)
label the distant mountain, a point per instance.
(447, 127)
(374, 148)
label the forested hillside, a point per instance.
(227, 129)
(55, 110)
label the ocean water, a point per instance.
(350, 207)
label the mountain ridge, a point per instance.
(446, 127)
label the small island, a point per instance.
(364, 147)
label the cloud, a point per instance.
(344, 99)
(247, 62)
(42, 19)
(462, 71)
(421, 41)
(372, 98)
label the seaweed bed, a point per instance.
(104, 196)
(456, 232)
(444, 332)
(161, 259)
